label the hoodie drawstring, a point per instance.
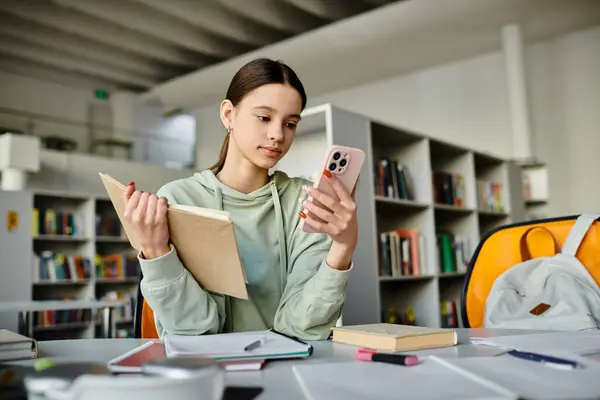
(281, 232)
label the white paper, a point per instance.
(231, 345)
(358, 380)
(535, 380)
(562, 342)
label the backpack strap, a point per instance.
(524, 248)
(578, 232)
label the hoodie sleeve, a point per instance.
(314, 293)
(179, 304)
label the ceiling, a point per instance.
(137, 44)
(394, 39)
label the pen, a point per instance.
(254, 345)
(551, 361)
(398, 359)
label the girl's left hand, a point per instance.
(335, 216)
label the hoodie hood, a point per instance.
(277, 184)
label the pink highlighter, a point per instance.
(398, 359)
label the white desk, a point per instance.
(277, 378)
(25, 308)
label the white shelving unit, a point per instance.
(372, 294)
(535, 189)
(88, 245)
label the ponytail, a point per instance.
(222, 155)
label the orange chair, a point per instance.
(500, 250)
(144, 326)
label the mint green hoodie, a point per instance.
(290, 286)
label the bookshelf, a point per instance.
(423, 206)
(77, 251)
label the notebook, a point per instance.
(133, 360)
(356, 380)
(230, 346)
(574, 342)
(394, 337)
(14, 346)
(532, 380)
(204, 239)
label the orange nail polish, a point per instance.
(131, 183)
(327, 173)
(302, 214)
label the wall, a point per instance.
(73, 103)
(464, 102)
(210, 133)
(564, 76)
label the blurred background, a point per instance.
(474, 114)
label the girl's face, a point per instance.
(264, 123)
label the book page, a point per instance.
(358, 380)
(575, 342)
(533, 380)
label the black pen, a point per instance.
(254, 345)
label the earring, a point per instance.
(229, 130)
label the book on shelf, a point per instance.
(109, 225)
(393, 180)
(49, 318)
(454, 252)
(449, 314)
(116, 266)
(402, 252)
(449, 188)
(49, 266)
(394, 337)
(489, 196)
(216, 265)
(124, 312)
(48, 221)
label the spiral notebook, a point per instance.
(231, 346)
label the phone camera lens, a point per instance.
(343, 163)
(336, 156)
(332, 166)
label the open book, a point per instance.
(204, 239)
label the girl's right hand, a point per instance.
(147, 215)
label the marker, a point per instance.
(398, 359)
(254, 345)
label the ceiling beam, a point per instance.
(217, 19)
(155, 24)
(75, 23)
(100, 53)
(331, 9)
(275, 14)
(44, 72)
(41, 55)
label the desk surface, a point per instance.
(277, 377)
(43, 305)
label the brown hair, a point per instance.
(254, 74)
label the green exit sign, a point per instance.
(101, 94)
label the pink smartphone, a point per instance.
(343, 162)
